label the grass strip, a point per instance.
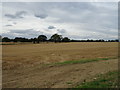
(109, 80)
(80, 61)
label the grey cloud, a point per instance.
(41, 16)
(25, 33)
(10, 16)
(8, 25)
(17, 15)
(86, 13)
(95, 17)
(20, 31)
(20, 14)
(10, 35)
(51, 27)
(14, 23)
(61, 31)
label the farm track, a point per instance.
(63, 76)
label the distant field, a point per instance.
(56, 52)
(30, 57)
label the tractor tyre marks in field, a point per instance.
(58, 76)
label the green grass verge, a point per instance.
(80, 61)
(109, 80)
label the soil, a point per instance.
(63, 76)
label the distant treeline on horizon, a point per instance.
(53, 38)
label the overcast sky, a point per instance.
(76, 20)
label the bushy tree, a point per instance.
(56, 38)
(20, 39)
(6, 39)
(65, 39)
(42, 38)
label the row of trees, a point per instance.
(53, 38)
(40, 38)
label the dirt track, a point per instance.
(57, 76)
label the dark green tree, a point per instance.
(6, 39)
(34, 40)
(56, 38)
(65, 39)
(42, 38)
(0, 38)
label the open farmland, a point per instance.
(26, 65)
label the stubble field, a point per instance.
(31, 65)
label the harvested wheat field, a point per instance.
(54, 65)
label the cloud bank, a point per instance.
(77, 20)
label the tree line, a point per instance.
(40, 38)
(54, 38)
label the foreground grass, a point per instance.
(81, 61)
(109, 80)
